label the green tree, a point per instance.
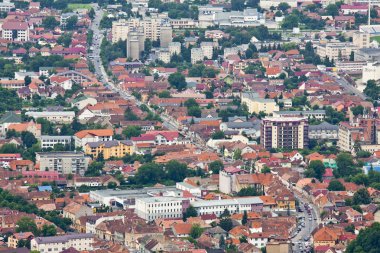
(237, 5)
(215, 166)
(176, 171)
(372, 90)
(71, 22)
(111, 185)
(217, 135)
(94, 169)
(132, 131)
(222, 242)
(366, 241)
(237, 154)
(332, 10)
(177, 80)
(190, 212)
(357, 110)
(336, 185)
(283, 6)
(164, 94)
(129, 115)
(345, 164)
(28, 139)
(196, 231)
(316, 169)
(245, 218)
(50, 23)
(48, 230)
(350, 228)
(226, 224)
(361, 197)
(249, 191)
(91, 13)
(26, 224)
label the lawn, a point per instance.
(79, 6)
(377, 38)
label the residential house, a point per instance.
(74, 211)
(93, 135)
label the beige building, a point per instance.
(135, 44)
(174, 48)
(164, 55)
(266, 4)
(256, 104)
(207, 49)
(371, 72)
(287, 133)
(61, 117)
(16, 237)
(56, 244)
(65, 162)
(361, 39)
(183, 23)
(336, 50)
(196, 55)
(166, 36)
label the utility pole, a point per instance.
(369, 12)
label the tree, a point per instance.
(345, 164)
(226, 224)
(91, 13)
(71, 22)
(196, 231)
(215, 166)
(249, 191)
(350, 228)
(237, 5)
(222, 242)
(177, 80)
(149, 173)
(94, 169)
(332, 10)
(28, 139)
(217, 135)
(132, 131)
(176, 171)
(245, 218)
(190, 212)
(366, 241)
(237, 154)
(352, 56)
(164, 94)
(26, 224)
(194, 111)
(357, 110)
(283, 6)
(27, 80)
(50, 23)
(316, 169)
(372, 90)
(336, 185)
(111, 185)
(361, 197)
(226, 213)
(129, 115)
(48, 230)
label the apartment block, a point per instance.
(61, 117)
(207, 49)
(15, 30)
(48, 141)
(235, 205)
(196, 55)
(65, 162)
(166, 36)
(135, 43)
(256, 104)
(109, 148)
(362, 131)
(361, 39)
(371, 72)
(164, 55)
(56, 244)
(161, 207)
(314, 114)
(287, 133)
(174, 48)
(336, 50)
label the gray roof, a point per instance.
(323, 126)
(300, 112)
(244, 125)
(10, 117)
(224, 202)
(243, 118)
(109, 144)
(62, 238)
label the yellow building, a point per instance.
(109, 148)
(256, 104)
(286, 202)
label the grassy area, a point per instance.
(79, 6)
(377, 38)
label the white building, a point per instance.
(174, 48)
(371, 72)
(161, 207)
(15, 30)
(194, 190)
(48, 141)
(361, 39)
(92, 222)
(196, 55)
(164, 55)
(207, 49)
(266, 4)
(256, 104)
(336, 50)
(235, 205)
(61, 117)
(93, 135)
(65, 162)
(57, 244)
(6, 6)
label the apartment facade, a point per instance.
(371, 72)
(109, 148)
(15, 30)
(336, 50)
(56, 244)
(361, 39)
(93, 135)
(48, 141)
(361, 131)
(65, 162)
(207, 49)
(287, 133)
(61, 117)
(256, 104)
(161, 207)
(196, 55)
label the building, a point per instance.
(367, 54)
(361, 39)
(235, 205)
(266, 4)
(65, 162)
(256, 104)
(174, 48)
(109, 148)
(249, 17)
(135, 44)
(48, 141)
(161, 207)
(65, 16)
(336, 50)
(207, 49)
(93, 135)
(166, 36)
(183, 23)
(361, 131)
(323, 131)
(7, 119)
(32, 127)
(60, 117)
(120, 29)
(371, 72)
(287, 133)
(74, 211)
(14, 239)
(164, 55)
(6, 6)
(350, 66)
(15, 30)
(57, 244)
(196, 55)
(227, 179)
(315, 114)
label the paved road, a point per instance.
(348, 88)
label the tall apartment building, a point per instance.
(164, 55)
(166, 36)
(227, 179)
(174, 48)
(196, 55)
(135, 44)
(336, 50)
(207, 49)
(65, 162)
(361, 39)
(120, 29)
(161, 207)
(362, 131)
(56, 244)
(287, 133)
(15, 30)
(371, 72)
(256, 104)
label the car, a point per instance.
(310, 219)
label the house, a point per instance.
(181, 229)
(21, 165)
(325, 236)
(57, 244)
(353, 215)
(109, 149)
(74, 211)
(14, 239)
(93, 135)
(62, 81)
(7, 119)
(59, 117)
(82, 101)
